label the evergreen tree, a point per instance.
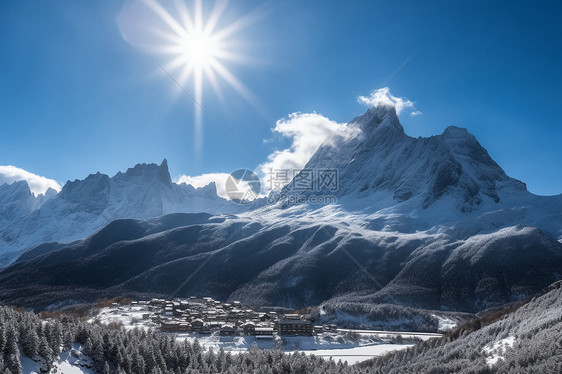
(46, 352)
(30, 343)
(13, 363)
(107, 369)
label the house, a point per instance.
(227, 330)
(173, 326)
(184, 327)
(295, 327)
(291, 316)
(249, 328)
(197, 324)
(168, 311)
(264, 332)
(158, 302)
(264, 317)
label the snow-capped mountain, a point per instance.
(383, 158)
(411, 184)
(424, 222)
(84, 206)
(16, 200)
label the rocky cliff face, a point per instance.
(425, 222)
(382, 158)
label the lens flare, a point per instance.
(195, 47)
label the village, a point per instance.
(236, 328)
(206, 316)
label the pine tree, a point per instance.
(106, 369)
(12, 337)
(96, 354)
(138, 365)
(68, 340)
(2, 336)
(54, 336)
(46, 352)
(13, 363)
(30, 343)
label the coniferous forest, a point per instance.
(533, 329)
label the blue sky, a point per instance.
(76, 98)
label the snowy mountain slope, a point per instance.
(448, 181)
(427, 222)
(84, 206)
(520, 339)
(293, 263)
(17, 200)
(383, 158)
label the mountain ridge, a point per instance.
(383, 157)
(433, 223)
(83, 206)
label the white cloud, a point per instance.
(37, 184)
(382, 96)
(204, 179)
(307, 132)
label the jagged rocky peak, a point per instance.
(457, 132)
(50, 193)
(150, 170)
(17, 187)
(463, 143)
(383, 158)
(78, 188)
(17, 191)
(209, 190)
(377, 118)
(466, 148)
(16, 199)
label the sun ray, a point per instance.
(185, 17)
(166, 17)
(186, 72)
(176, 63)
(216, 13)
(197, 49)
(241, 23)
(235, 83)
(198, 16)
(198, 128)
(212, 77)
(233, 56)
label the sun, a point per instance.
(196, 49)
(199, 50)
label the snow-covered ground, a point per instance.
(393, 334)
(69, 362)
(348, 345)
(336, 347)
(129, 316)
(446, 323)
(357, 354)
(496, 351)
